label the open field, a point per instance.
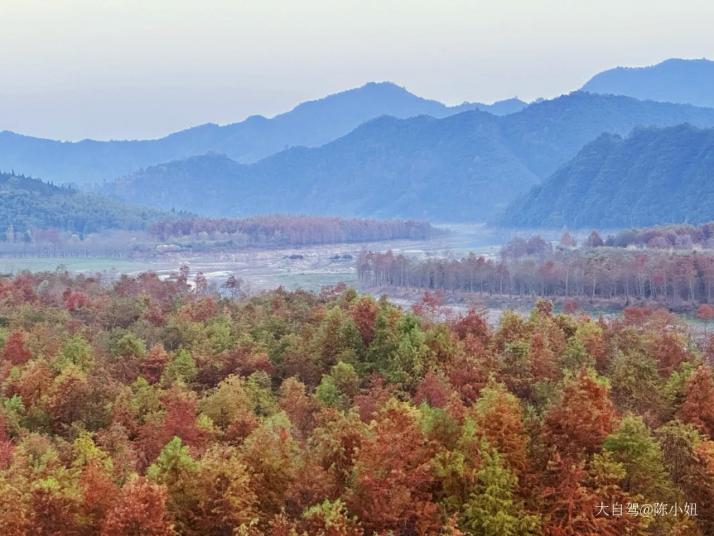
(308, 267)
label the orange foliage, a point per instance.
(698, 406)
(393, 482)
(15, 351)
(580, 422)
(140, 510)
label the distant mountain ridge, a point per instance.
(412, 168)
(309, 124)
(673, 80)
(465, 167)
(654, 176)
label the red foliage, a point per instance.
(582, 420)
(140, 510)
(571, 498)
(669, 350)
(179, 420)
(6, 451)
(542, 358)
(99, 494)
(67, 400)
(429, 304)
(364, 313)
(246, 362)
(53, 512)
(15, 351)
(393, 482)
(152, 366)
(434, 390)
(374, 398)
(6, 446)
(241, 427)
(472, 324)
(469, 375)
(199, 310)
(298, 405)
(570, 306)
(698, 406)
(75, 299)
(705, 312)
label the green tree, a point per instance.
(339, 386)
(182, 368)
(76, 351)
(176, 469)
(492, 509)
(633, 445)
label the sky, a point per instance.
(128, 69)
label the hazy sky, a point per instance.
(142, 68)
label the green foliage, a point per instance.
(76, 351)
(174, 465)
(129, 345)
(411, 357)
(615, 182)
(339, 386)
(425, 427)
(226, 402)
(28, 203)
(633, 445)
(636, 383)
(337, 338)
(492, 509)
(181, 368)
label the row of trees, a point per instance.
(669, 236)
(151, 406)
(604, 273)
(290, 230)
(681, 237)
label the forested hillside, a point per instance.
(146, 407)
(673, 80)
(465, 167)
(654, 176)
(422, 168)
(309, 124)
(27, 203)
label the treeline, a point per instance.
(603, 273)
(290, 230)
(151, 406)
(665, 237)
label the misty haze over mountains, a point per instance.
(650, 177)
(309, 124)
(464, 167)
(380, 151)
(673, 80)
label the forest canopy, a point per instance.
(155, 406)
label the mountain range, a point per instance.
(654, 176)
(467, 166)
(374, 151)
(309, 124)
(673, 80)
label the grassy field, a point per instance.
(13, 265)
